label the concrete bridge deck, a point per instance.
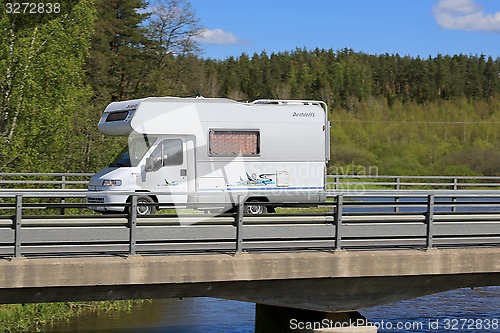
(323, 281)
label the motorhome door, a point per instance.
(167, 172)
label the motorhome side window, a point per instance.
(168, 152)
(234, 142)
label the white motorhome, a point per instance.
(192, 151)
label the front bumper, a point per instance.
(110, 202)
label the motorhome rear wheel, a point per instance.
(255, 208)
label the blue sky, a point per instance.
(408, 27)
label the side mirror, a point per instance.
(150, 165)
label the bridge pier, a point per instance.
(278, 319)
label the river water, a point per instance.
(464, 310)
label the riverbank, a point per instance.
(16, 318)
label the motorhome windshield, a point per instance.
(134, 152)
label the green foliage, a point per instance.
(43, 86)
(25, 318)
(445, 137)
(16, 318)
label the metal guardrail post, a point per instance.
(132, 222)
(429, 220)
(339, 208)
(17, 226)
(398, 183)
(63, 187)
(239, 224)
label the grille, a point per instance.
(95, 200)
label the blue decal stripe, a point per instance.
(262, 189)
(273, 188)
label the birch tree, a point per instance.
(41, 84)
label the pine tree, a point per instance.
(115, 67)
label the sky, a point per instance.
(406, 27)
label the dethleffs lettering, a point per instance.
(304, 114)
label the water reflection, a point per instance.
(201, 315)
(463, 306)
(189, 315)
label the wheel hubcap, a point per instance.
(255, 209)
(143, 210)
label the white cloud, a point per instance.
(465, 15)
(218, 36)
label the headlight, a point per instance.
(111, 182)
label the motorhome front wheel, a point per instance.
(146, 206)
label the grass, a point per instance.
(16, 318)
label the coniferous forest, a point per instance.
(406, 115)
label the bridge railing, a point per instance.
(368, 182)
(45, 180)
(334, 182)
(346, 222)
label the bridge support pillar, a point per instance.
(279, 319)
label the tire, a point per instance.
(150, 209)
(255, 208)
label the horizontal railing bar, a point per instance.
(362, 181)
(365, 193)
(67, 182)
(345, 176)
(78, 193)
(347, 184)
(489, 203)
(287, 220)
(342, 176)
(479, 184)
(331, 180)
(48, 174)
